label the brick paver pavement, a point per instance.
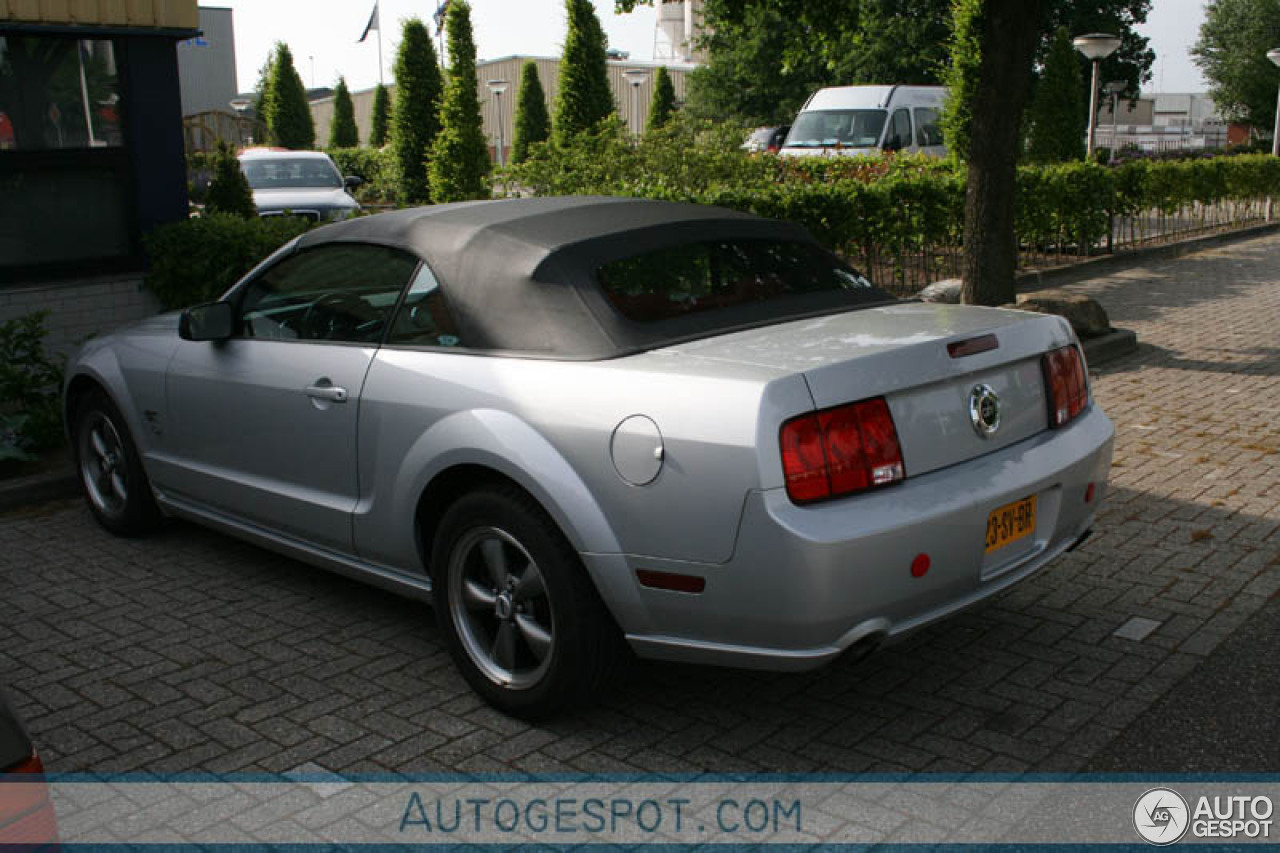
(192, 651)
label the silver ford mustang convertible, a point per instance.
(582, 424)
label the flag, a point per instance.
(439, 15)
(372, 25)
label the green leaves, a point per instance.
(30, 388)
(343, 132)
(533, 122)
(663, 104)
(1058, 115)
(381, 116)
(584, 99)
(198, 260)
(459, 166)
(415, 121)
(284, 104)
(1232, 53)
(229, 190)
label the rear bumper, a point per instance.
(805, 584)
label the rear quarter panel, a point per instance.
(549, 425)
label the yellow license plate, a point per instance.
(1010, 523)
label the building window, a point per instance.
(65, 176)
(58, 93)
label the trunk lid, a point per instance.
(900, 352)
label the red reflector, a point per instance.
(973, 346)
(1088, 494)
(840, 451)
(1068, 389)
(671, 581)
(920, 565)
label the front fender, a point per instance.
(100, 364)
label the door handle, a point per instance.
(332, 393)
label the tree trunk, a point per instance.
(1010, 31)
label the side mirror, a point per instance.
(209, 322)
(352, 181)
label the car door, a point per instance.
(898, 136)
(263, 426)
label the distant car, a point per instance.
(766, 139)
(27, 820)
(850, 121)
(299, 183)
(574, 420)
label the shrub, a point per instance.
(381, 115)
(415, 121)
(584, 99)
(1058, 115)
(663, 103)
(343, 132)
(374, 166)
(285, 108)
(198, 260)
(459, 164)
(229, 191)
(533, 124)
(30, 388)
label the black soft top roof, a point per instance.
(519, 274)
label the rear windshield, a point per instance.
(828, 128)
(708, 276)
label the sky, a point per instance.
(322, 35)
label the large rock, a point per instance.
(947, 291)
(1084, 314)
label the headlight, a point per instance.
(338, 214)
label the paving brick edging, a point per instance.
(1108, 264)
(38, 488)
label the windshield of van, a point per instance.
(827, 128)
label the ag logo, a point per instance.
(1161, 816)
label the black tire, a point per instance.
(584, 646)
(110, 468)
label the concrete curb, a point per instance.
(1115, 344)
(38, 488)
(1108, 264)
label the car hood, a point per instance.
(302, 198)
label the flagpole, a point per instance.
(379, 48)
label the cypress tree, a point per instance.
(229, 190)
(663, 104)
(585, 98)
(1058, 114)
(415, 119)
(285, 108)
(533, 123)
(343, 132)
(381, 115)
(460, 156)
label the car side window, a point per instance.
(424, 319)
(340, 292)
(928, 132)
(899, 131)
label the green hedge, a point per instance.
(372, 165)
(197, 260)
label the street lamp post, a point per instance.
(1114, 88)
(1274, 56)
(1095, 47)
(497, 87)
(636, 77)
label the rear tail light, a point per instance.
(1064, 378)
(841, 451)
(32, 765)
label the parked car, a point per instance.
(766, 139)
(27, 819)
(854, 120)
(299, 183)
(574, 420)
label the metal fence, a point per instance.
(907, 273)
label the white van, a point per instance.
(854, 120)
